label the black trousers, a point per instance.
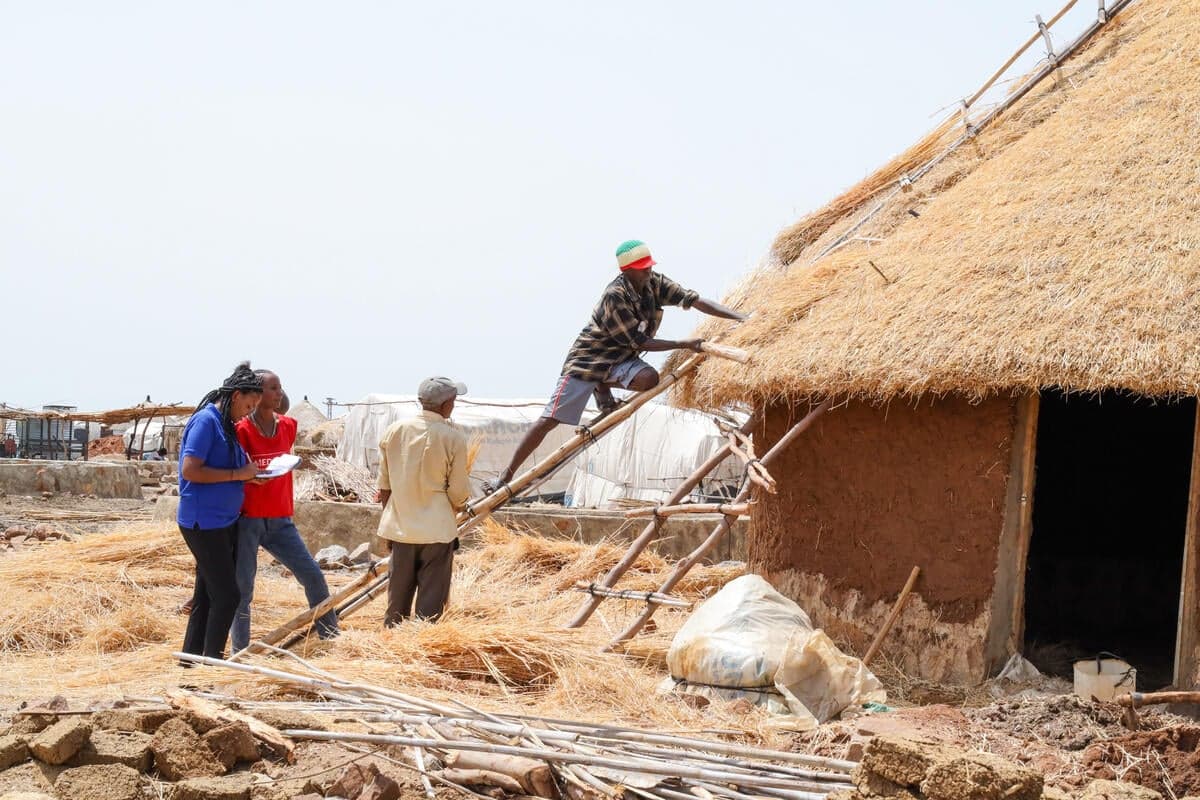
(215, 596)
(422, 570)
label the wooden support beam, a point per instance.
(629, 594)
(873, 650)
(725, 351)
(651, 530)
(691, 559)
(728, 509)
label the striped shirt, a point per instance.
(621, 323)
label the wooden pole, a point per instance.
(483, 508)
(631, 594)
(873, 650)
(725, 351)
(691, 559)
(651, 531)
(728, 509)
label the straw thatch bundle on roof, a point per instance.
(1061, 247)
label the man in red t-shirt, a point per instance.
(266, 519)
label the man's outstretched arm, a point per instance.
(715, 309)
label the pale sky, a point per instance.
(358, 195)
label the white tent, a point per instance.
(501, 423)
(647, 456)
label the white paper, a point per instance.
(279, 465)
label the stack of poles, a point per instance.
(371, 583)
(585, 759)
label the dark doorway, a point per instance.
(1109, 520)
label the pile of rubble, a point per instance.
(16, 537)
(196, 752)
(896, 768)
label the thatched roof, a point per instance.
(1059, 247)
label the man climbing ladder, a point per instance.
(606, 352)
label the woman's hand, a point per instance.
(246, 473)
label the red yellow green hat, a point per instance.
(634, 254)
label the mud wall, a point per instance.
(871, 491)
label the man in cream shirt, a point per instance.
(422, 483)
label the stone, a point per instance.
(232, 743)
(180, 753)
(379, 786)
(28, 777)
(1052, 793)
(1117, 790)
(100, 782)
(981, 776)
(129, 748)
(870, 785)
(904, 760)
(227, 787)
(29, 724)
(13, 750)
(332, 557)
(349, 782)
(361, 554)
(61, 741)
(128, 719)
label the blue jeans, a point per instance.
(279, 537)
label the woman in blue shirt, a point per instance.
(212, 468)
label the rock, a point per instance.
(379, 787)
(232, 743)
(13, 750)
(28, 777)
(29, 724)
(905, 761)
(870, 785)
(349, 782)
(128, 719)
(981, 776)
(1117, 790)
(180, 753)
(129, 748)
(100, 782)
(228, 787)
(200, 723)
(333, 556)
(61, 741)
(1051, 793)
(361, 554)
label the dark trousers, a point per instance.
(422, 570)
(215, 596)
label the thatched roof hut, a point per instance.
(1049, 263)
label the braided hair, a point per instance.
(243, 379)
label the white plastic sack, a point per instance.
(750, 638)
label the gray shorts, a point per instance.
(571, 394)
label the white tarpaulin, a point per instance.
(647, 456)
(749, 640)
(501, 423)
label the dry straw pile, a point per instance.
(99, 618)
(1060, 247)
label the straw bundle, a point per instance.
(98, 618)
(1058, 248)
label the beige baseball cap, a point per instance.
(437, 390)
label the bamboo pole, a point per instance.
(728, 509)
(873, 650)
(691, 559)
(651, 530)
(630, 594)
(725, 351)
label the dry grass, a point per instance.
(1060, 247)
(97, 618)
